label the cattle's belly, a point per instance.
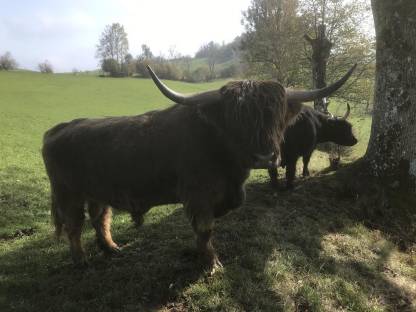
(133, 194)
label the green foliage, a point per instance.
(146, 52)
(7, 62)
(200, 74)
(221, 52)
(111, 66)
(230, 71)
(163, 68)
(273, 45)
(216, 54)
(112, 49)
(45, 67)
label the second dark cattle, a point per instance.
(311, 127)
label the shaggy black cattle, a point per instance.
(310, 128)
(197, 152)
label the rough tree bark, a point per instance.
(392, 148)
(321, 49)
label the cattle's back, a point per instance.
(138, 156)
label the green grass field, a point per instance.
(307, 250)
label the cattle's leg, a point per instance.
(273, 177)
(73, 215)
(306, 159)
(203, 231)
(203, 224)
(290, 173)
(137, 214)
(101, 221)
(68, 214)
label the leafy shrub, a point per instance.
(7, 62)
(45, 67)
(164, 69)
(200, 74)
(229, 71)
(111, 67)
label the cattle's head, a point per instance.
(339, 130)
(251, 116)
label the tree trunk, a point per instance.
(392, 148)
(321, 49)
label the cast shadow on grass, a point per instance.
(266, 246)
(152, 270)
(23, 198)
(333, 204)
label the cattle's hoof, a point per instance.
(138, 220)
(274, 185)
(289, 188)
(109, 249)
(112, 250)
(81, 263)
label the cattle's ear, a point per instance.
(212, 113)
(293, 110)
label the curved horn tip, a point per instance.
(306, 96)
(347, 113)
(149, 68)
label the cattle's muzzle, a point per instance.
(267, 161)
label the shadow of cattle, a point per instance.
(23, 199)
(278, 251)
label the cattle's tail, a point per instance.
(56, 216)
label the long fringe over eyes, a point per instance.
(258, 108)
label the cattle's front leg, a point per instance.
(306, 159)
(290, 173)
(204, 245)
(273, 177)
(202, 224)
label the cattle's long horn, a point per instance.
(347, 113)
(306, 96)
(203, 97)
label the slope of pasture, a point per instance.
(305, 250)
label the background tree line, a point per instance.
(301, 43)
(116, 61)
(7, 62)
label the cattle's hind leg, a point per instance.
(73, 214)
(100, 216)
(137, 213)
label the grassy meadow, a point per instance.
(317, 248)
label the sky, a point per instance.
(66, 32)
